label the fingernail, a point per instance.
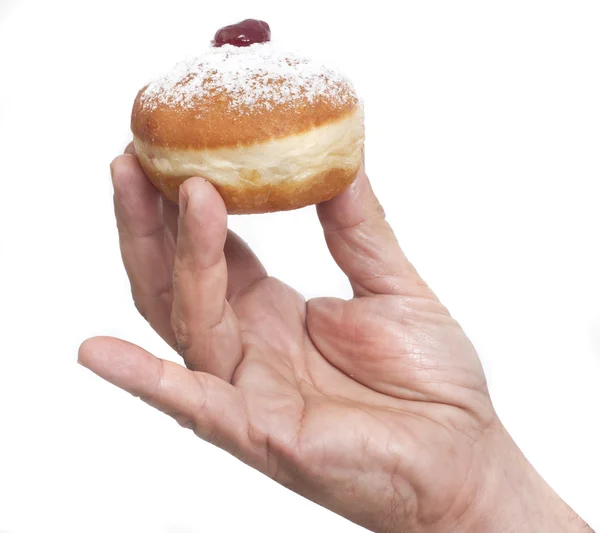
(182, 202)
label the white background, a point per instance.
(483, 125)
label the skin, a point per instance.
(376, 408)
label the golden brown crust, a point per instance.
(210, 123)
(244, 198)
(225, 115)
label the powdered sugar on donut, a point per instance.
(257, 76)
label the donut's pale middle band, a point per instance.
(334, 145)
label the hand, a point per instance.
(376, 408)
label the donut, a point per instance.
(271, 129)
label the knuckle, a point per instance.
(186, 422)
(177, 269)
(181, 332)
(379, 211)
(139, 304)
(182, 273)
(164, 296)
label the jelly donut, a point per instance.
(271, 129)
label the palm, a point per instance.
(307, 414)
(374, 396)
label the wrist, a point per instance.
(513, 497)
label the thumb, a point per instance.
(364, 245)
